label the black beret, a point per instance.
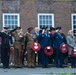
(51, 28)
(18, 28)
(58, 28)
(6, 27)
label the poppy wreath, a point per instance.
(74, 52)
(48, 50)
(11, 50)
(64, 48)
(36, 47)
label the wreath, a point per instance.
(64, 48)
(74, 52)
(36, 47)
(48, 50)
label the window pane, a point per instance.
(74, 26)
(5, 17)
(40, 22)
(40, 17)
(12, 22)
(44, 22)
(16, 17)
(6, 22)
(47, 22)
(50, 17)
(74, 22)
(13, 27)
(16, 22)
(12, 16)
(9, 17)
(47, 17)
(50, 22)
(74, 17)
(43, 17)
(9, 22)
(74, 31)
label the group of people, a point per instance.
(18, 43)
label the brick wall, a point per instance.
(28, 9)
(0, 15)
(28, 13)
(8, 6)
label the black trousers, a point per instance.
(73, 61)
(5, 56)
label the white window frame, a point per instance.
(74, 14)
(46, 14)
(17, 14)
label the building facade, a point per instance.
(26, 13)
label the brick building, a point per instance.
(34, 13)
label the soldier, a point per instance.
(18, 44)
(45, 41)
(52, 57)
(58, 39)
(30, 38)
(5, 47)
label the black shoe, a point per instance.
(32, 66)
(46, 67)
(61, 67)
(57, 66)
(7, 67)
(72, 67)
(19, 66)
(43, 66)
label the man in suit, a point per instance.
(5, 47)
(58, 39)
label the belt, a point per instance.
(17, 40)
(30, 41)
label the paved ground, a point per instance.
(36, 71)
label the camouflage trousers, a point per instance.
(30, 58)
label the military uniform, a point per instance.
(44, 42)
(30, 38)
(58, 39)
(5, 48)
(18, 44)
(30, 52)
